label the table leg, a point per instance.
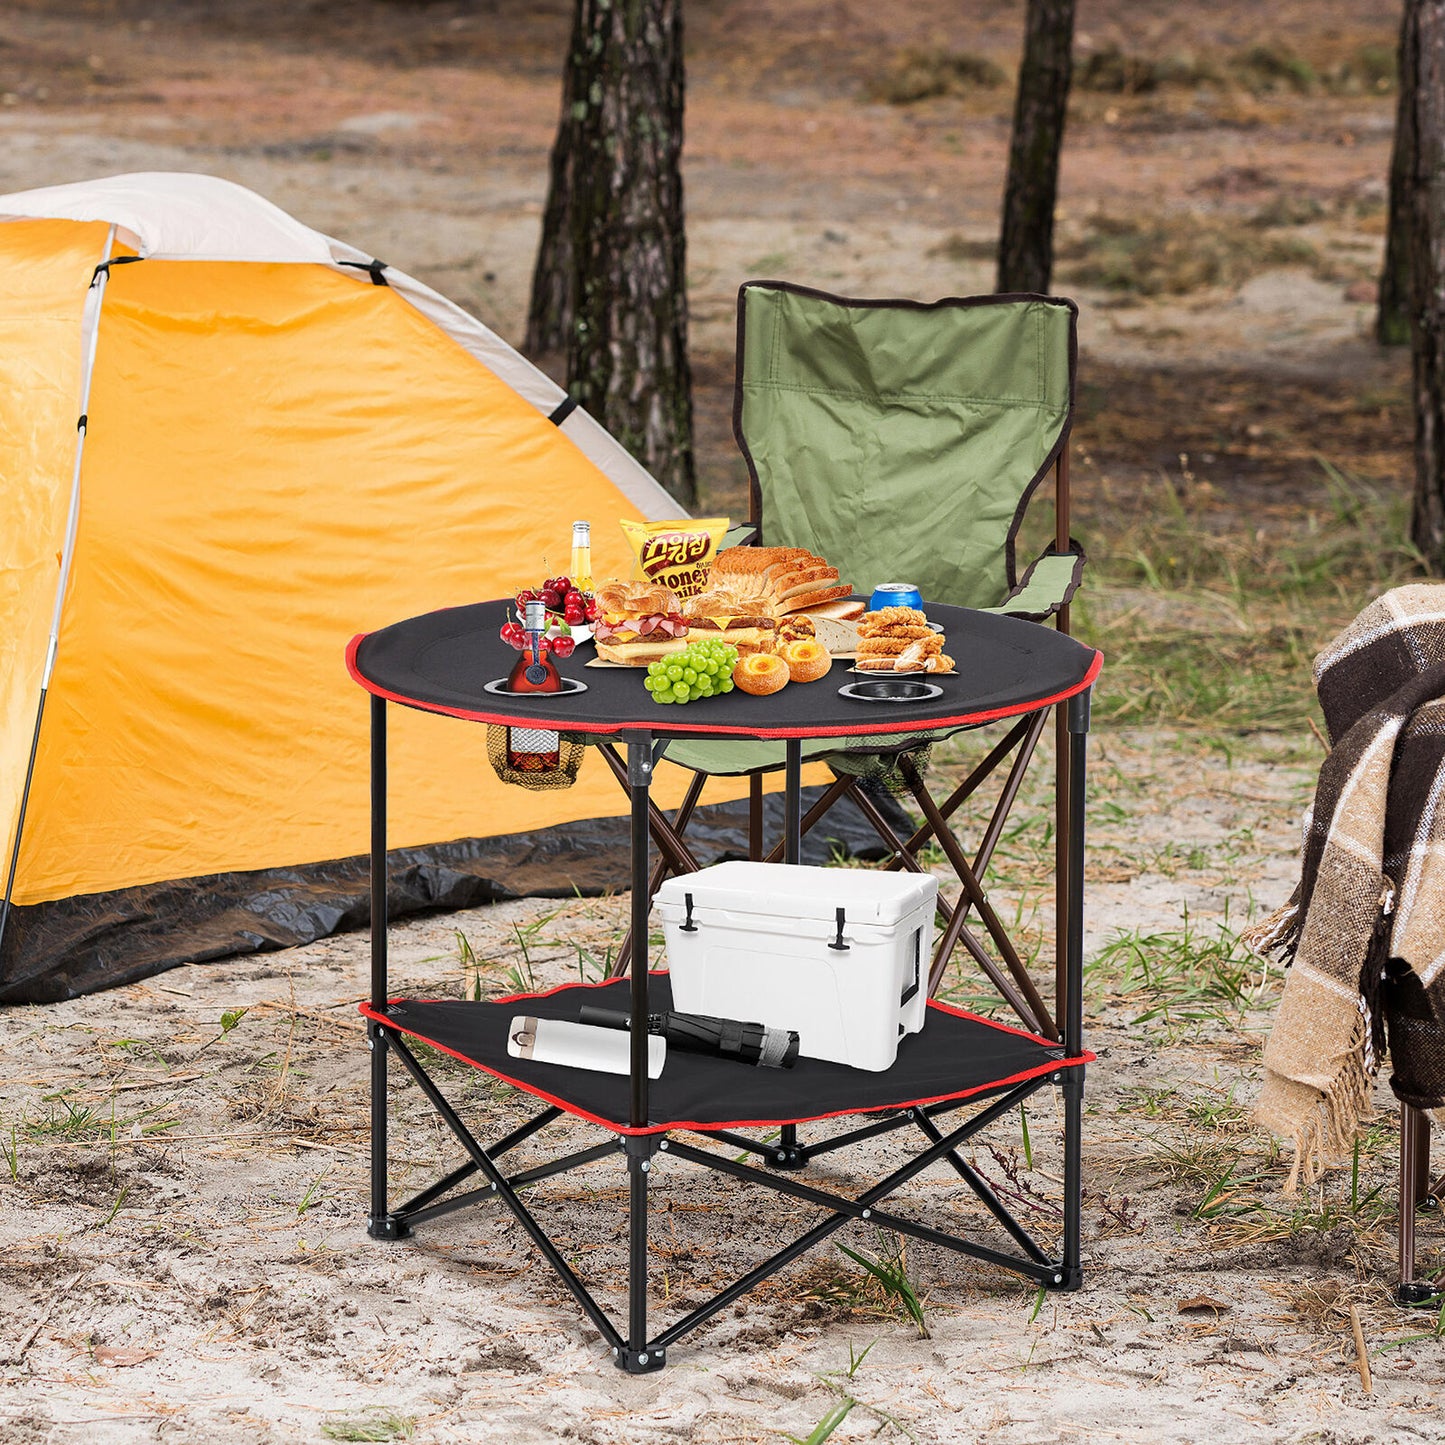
(788, 1156)
(380, 1224)
(636, 1358)
(1073, 1000)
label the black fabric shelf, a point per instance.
(955, 1056)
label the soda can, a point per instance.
(895, 594)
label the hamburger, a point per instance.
(735, 617)
(638, 623)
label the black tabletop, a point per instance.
(441, 662)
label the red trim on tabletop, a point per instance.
(658, 727)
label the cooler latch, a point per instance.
(838, 943)
(911, 987)
(688, 926)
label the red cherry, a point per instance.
(513, 634)
(562, 646)
(561, 585)
(574, 609)
(525, 596)
(551, 598)
(592, 609)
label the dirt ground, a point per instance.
(184, 1173)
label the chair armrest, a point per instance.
(743, 535)
(1051, 580)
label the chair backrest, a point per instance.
(902, 440)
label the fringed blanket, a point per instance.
(1365, 929)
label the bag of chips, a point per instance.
(676, 554)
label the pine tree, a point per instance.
(1425, 54)
(613, 252)
(1026, 239)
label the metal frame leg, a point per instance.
(635, 1357)
(381, 1223)
(1072, 1002)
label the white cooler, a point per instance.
(839, 954)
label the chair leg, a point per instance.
(954, 922)
(970, 785)
(1414, 1190)
(974, 891)
(835, 790)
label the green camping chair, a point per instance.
(903, 440)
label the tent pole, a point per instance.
(20, 821)
(89, 326)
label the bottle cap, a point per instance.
(536, 617)
(581, 530)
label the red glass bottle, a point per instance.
(535, 671)
(534, 750)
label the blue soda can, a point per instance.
(895, 594)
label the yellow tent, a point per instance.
(227, 444)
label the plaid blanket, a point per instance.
(1365, 929)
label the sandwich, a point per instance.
(637, 623)
(833, 623)
(737, 616)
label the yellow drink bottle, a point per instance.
(581, 572)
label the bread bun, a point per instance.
(760, 673)
(807, 660)
(640, 653)
(636, 599)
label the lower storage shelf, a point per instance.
(957, 1055)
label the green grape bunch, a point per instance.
(702, 669)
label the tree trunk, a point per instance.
(551, 311)
(627, 352)
(1392, 316)
(1026, 240)
(1425, 30)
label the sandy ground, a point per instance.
(185, 1208)
(182, 1202)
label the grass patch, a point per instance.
(375, 1424)
(1184, 977)
(1265, 68)
(923, 74)
(1177, 254)
(1209, 623)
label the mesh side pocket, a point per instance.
(535, 758)
(879, 769)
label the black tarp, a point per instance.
(58, 950)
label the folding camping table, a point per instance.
(442, 663)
